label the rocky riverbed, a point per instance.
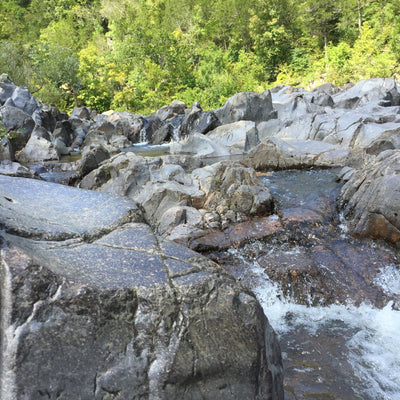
(294, 195)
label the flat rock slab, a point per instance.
(95, 306)
(45, 210)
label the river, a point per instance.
(333, 300)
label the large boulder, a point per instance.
(247, 106)
(94, 306)
(37, 149)
(370, 198)
(382, 91)
(236, 137)
(276, 154)
(16, 120)
(18, 97)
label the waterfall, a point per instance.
(143, 136)
(175, 133)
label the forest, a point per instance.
(138, 55)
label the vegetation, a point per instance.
(138, 55)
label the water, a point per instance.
(346, 345)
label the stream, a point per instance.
(333, 300)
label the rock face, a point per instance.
(371, 198)
(94, 306)
(185, 206)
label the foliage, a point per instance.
(141, 54)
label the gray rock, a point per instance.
(370, 198)
(91, 296)
(14, 119)
(64, 132)
(235, 137)
(190, 120)
(162, 135)
(246, 106)
(80, 112)
(285, 154)
(15, 169)
(6, 152)
(91, 158)
(199, 145)
(176, 108)
(383, 91)
(37, 149)
(23, 100)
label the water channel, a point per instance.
(332, 299)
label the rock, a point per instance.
(91, 158)
(15, 96)
(231, 186)
(370, 199)
(383, 91)
(41, 132)
(80, 112)
(246, 106)
(37, 149)
(285, 154)
(60, 147)
(236, 137)
(176, 108)
(206, 122)
(162, 135)
(14, 119)
(190, 120)
(64, 132)
(6, 151)
(126, 173)
(150, 126)
(120, 123)
(198, 145)
(50, 115)
(197, 121)
(235, 235)
(92, 297)
(11, 144)
(15, 169)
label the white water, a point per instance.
(372, 336)
(143, 136)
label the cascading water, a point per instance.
(143, 136)
(344, 347)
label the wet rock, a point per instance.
(162, 134)
(235, 235)
(92, 296)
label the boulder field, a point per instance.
(103, 295)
